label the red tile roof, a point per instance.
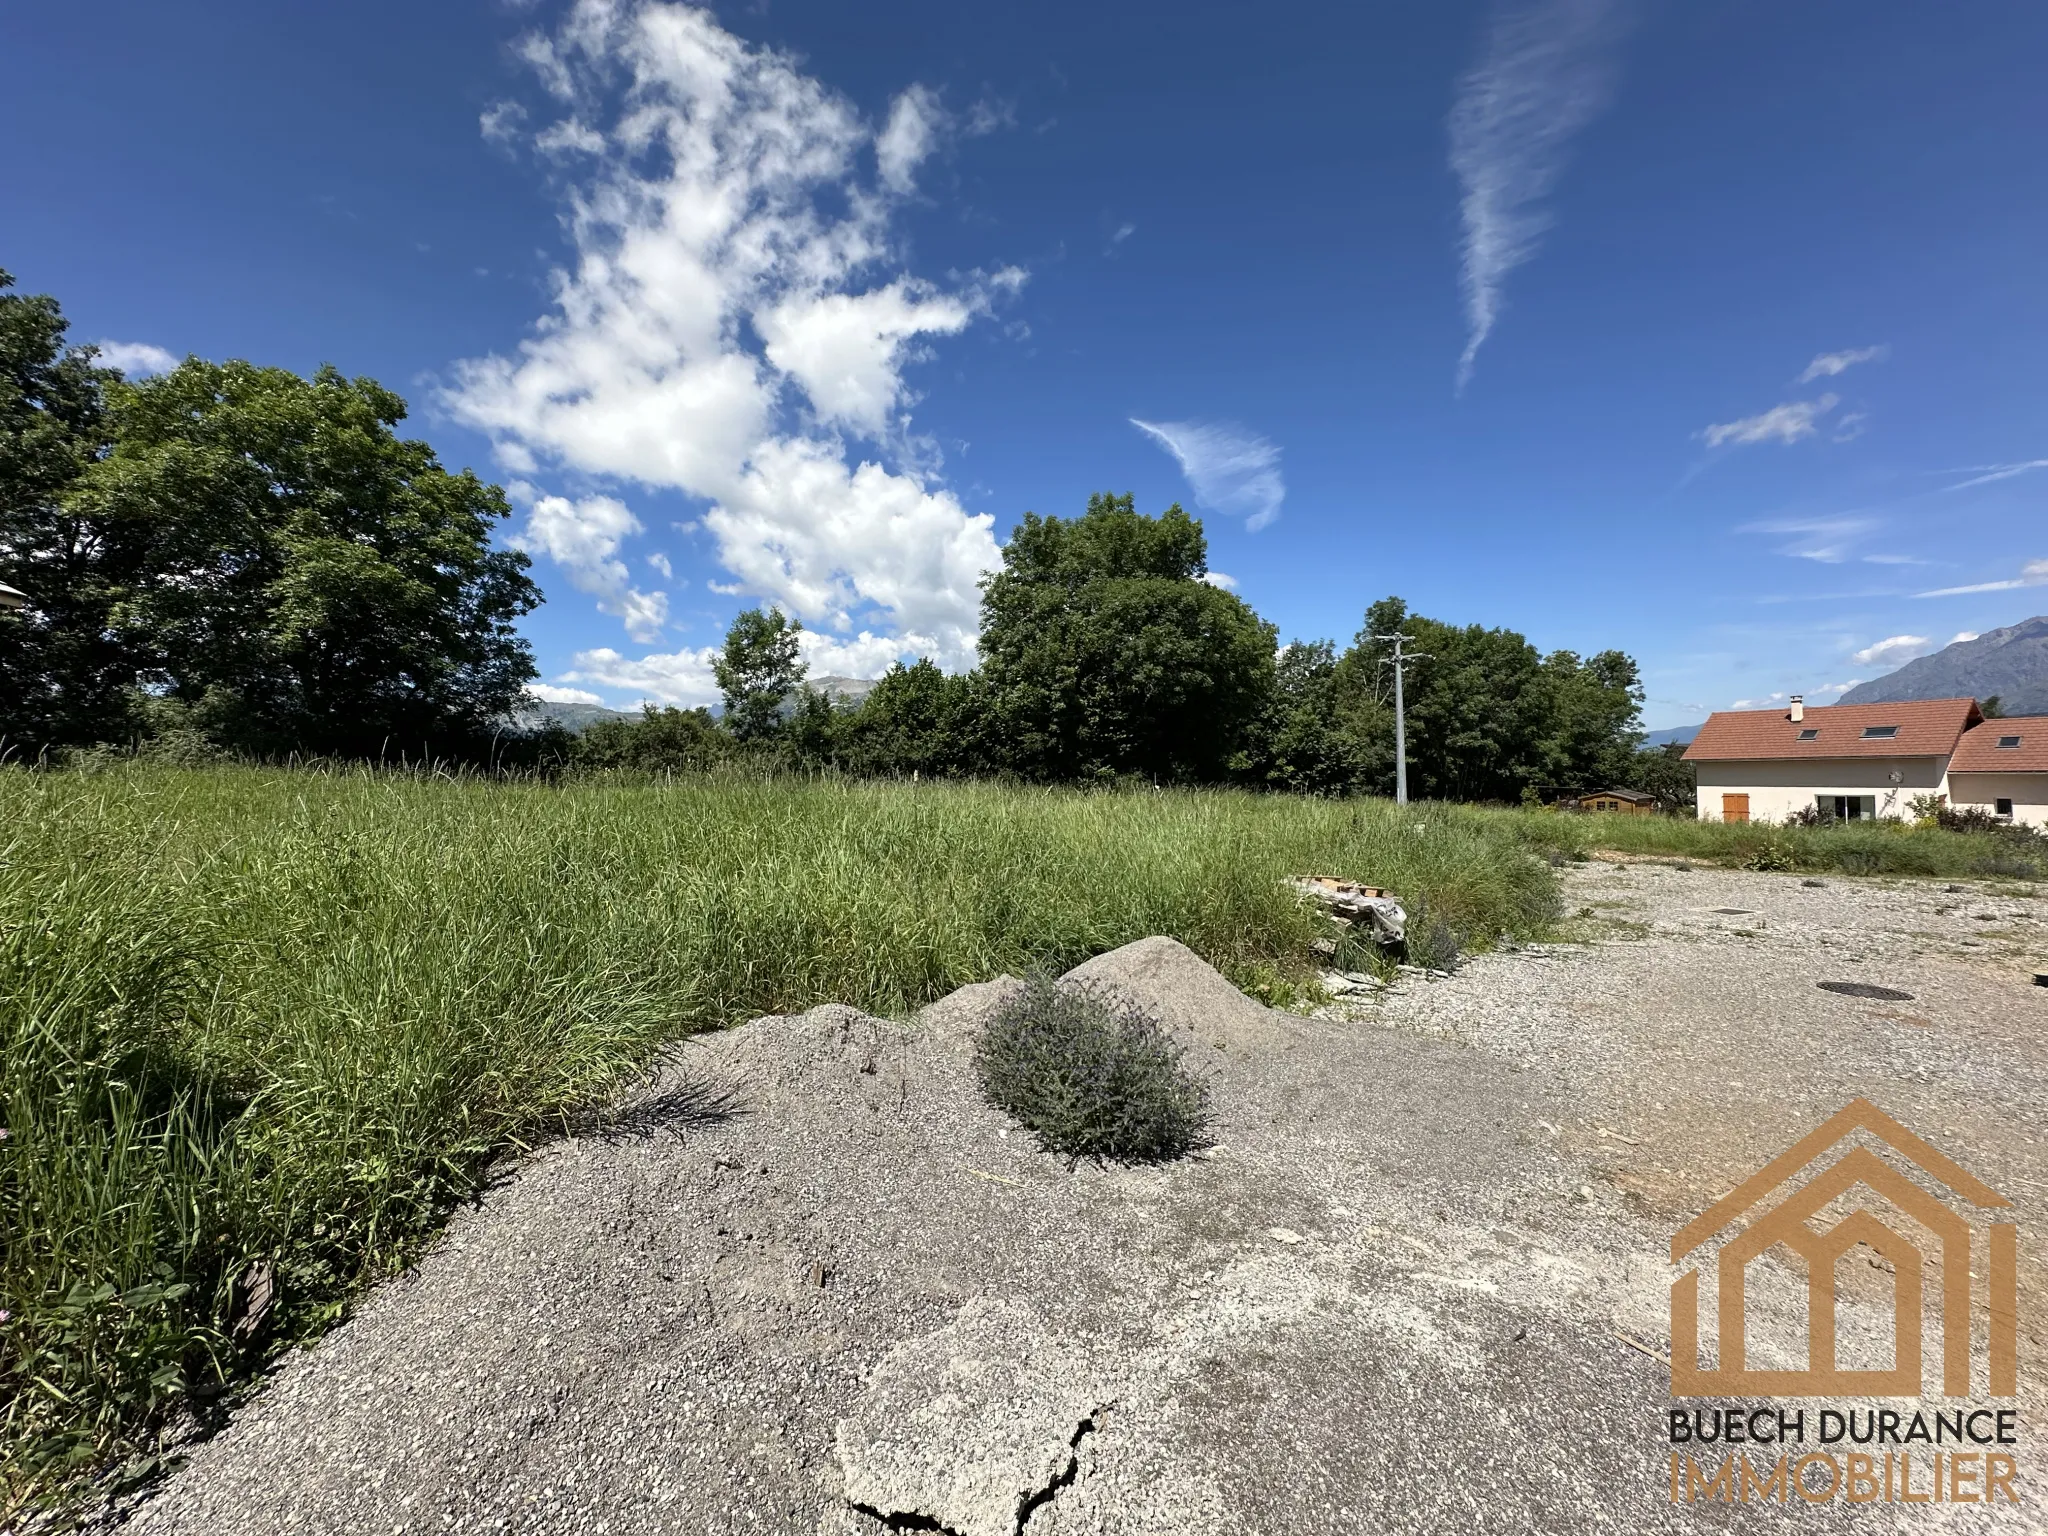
(1927, 728)
(1981, 753)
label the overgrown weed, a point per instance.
(289, 1016)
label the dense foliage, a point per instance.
(1106, 653)
(757, 670)
(243, 555)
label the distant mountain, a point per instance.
(843, 691)
(2010, 662)
(574, 718)
(1677, 733)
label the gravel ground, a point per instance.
(810, 1284)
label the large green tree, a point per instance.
(62, 670)
(258, 551)
(1105, 652)
(1488, 715)
(313, 581)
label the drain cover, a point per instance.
(1735, 911)
(1865, 989)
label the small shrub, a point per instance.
(1090, 1076)
(1432, 942)
(1770, 854)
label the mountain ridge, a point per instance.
(2011, 663)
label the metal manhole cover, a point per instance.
(1865, 989)
(1735, 911)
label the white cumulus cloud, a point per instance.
(1962, 636)
(1544, 71)
(548, 693)
(1780, 424)
(569, 137)
(736, 322)
(583, 536)
(1828, 364)
(847, 350)
(916, 120)
(682, 678)
(1231, 470)
(135, 357)
(1891, 652)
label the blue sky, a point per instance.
(1709, 332)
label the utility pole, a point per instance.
(1397, 640)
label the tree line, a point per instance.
(1106, 655)
(234, 559)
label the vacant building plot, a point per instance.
(1418, 1280)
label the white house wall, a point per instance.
(2028, 793)
(1778, 789)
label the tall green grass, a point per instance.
(254, 1015)
(1850, 848)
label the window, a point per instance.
(1879, 732)
(2004, 807)
(2009, 743)
(1809, 734)
(1848, 807)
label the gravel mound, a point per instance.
(1186, 994)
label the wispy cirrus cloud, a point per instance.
(1829, 540)
(1545, 70)
(1231, 470)
(1828, 364)
(2033, 574)
(1786, 423)
(1824, 690)
(1984, 474)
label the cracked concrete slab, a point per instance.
(973, 1428)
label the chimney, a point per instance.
(1798, 707)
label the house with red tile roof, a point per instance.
(2001, 766)
(1851, 761)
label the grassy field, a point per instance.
(1850, 848)
(257, 1015)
